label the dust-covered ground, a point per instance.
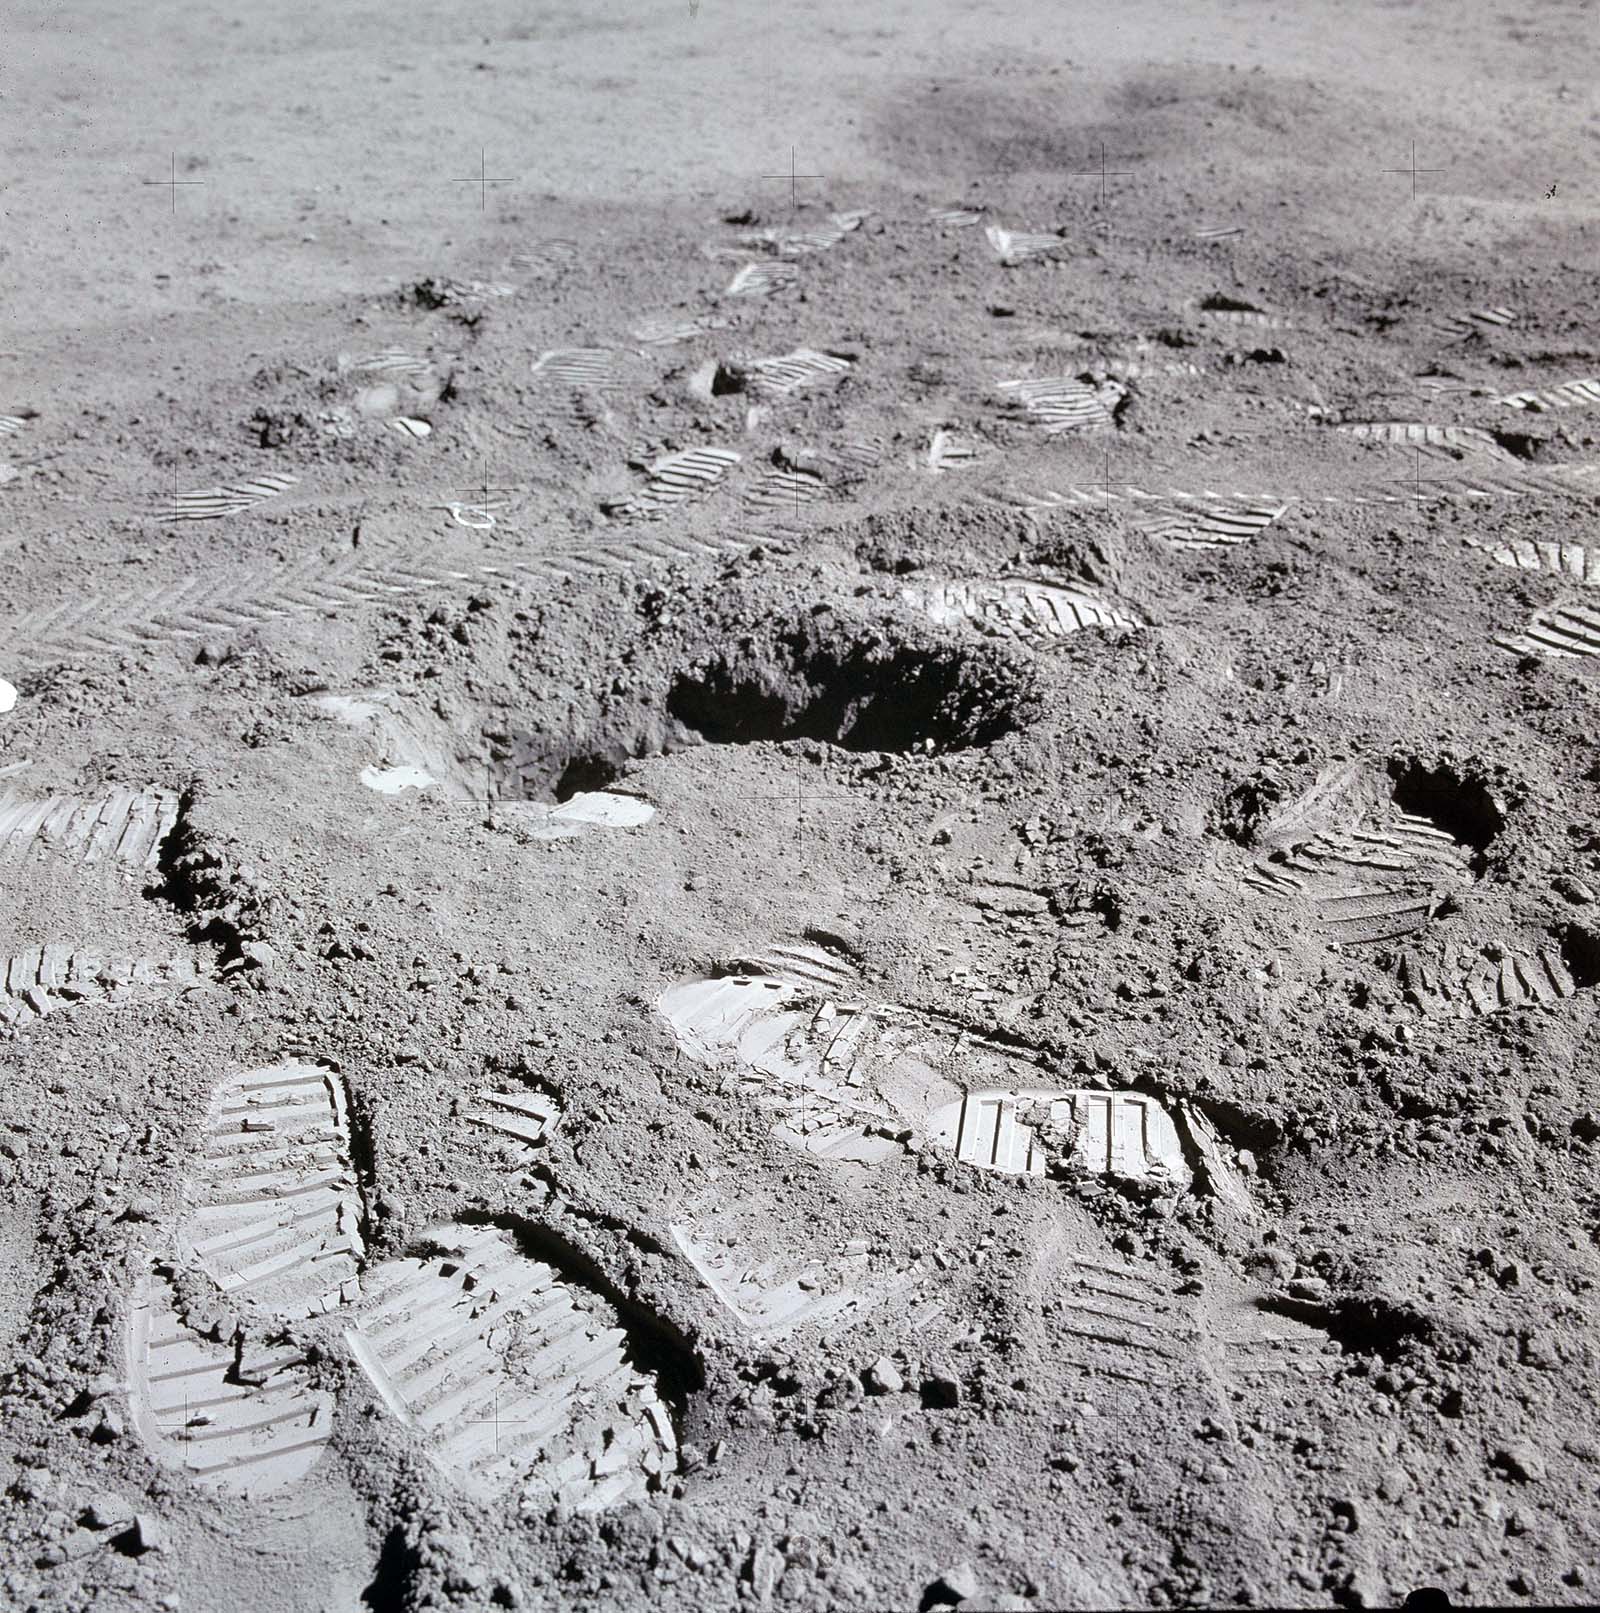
(875, 891)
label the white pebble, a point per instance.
(8, 697)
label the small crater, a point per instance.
(1463, 808)
(866, 695)
(1580, 952)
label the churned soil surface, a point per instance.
(883, 894)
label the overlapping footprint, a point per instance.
(510, 1375)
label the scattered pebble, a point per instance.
(107, 1511)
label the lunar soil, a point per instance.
(869, 889)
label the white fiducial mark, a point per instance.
(512, 1378)
(238, 1416)
(274, 1214)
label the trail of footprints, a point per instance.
(675, 480)
(1026, 609)
(771, 1286)
(1566, 628)
(35, 983)
(849, 1080)
(1477, 984)
(1368, 884)
(511, 1377)
(238, 1417)
(214, 503)
(275, 1217)
(125, 828)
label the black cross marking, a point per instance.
(1416, 476)
(792, 177)
(799, 796)
(484, 496)
(1104, 172)
(173, 183)
(498, 1422)
(1413, 170)
(169, 1422)
(1105, 482)
(483, 182)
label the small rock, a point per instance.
(148, 1534)
(107, 1511)
(79, 1544)
(958, 1584)
(260, 954)
(883, 1379)
(1519, 1461)
(763, 1570)
(8, 697)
